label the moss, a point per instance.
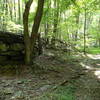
(17, 47)
(62, 93)
(93, 50)
(3, 47)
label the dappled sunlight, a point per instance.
(94, 56)
(33, 6)
(97, 73)
(98, 64)
(49, 50)
(86, 66)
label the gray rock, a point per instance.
(18, 96)
(8, 91)
(45, 87)
(20, 82)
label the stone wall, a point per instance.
(11, 47)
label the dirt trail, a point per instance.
(49, 72)
(88, 85)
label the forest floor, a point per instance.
(53, 76)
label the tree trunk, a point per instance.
(98, 33)
(15, 11)
(30, 41)
(56, 16)
(26, 32)
(19, 11)
(10, 7)
(77, 23)
(39, 45)
(47, 23)
(85, 32)
(35, 27)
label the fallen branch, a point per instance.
(66, 81)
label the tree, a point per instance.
(30, 40)
(85, 32)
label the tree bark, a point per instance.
(19, 11)
(15, 11)
(55, 24)
(30, 40)
(26, 32)
(85, 32)
(35, 27)
(77, 23)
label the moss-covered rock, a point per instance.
(17, 47)
(3, 47)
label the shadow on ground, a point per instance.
(78, 76)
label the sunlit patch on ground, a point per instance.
(97, 73)
(93, 56)
(94, 68)
(98, 64)
(86, 66)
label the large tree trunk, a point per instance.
(26, 32)
(30, 41)
(35, 28)
(37, 20)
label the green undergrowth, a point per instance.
(93, 50)
(61, 93)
